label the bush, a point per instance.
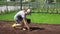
(32, 0)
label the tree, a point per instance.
(12, 0)
(1, 0)
(49, 1)
(58, 0)
(32, 0)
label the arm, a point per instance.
(25, 22)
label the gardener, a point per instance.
(21, 20)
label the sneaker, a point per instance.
(14, 25)
(23, 29)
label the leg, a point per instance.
(17, 20)
(16, 24)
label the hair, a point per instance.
(25, 9)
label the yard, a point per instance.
(41, 18)
(45, 18)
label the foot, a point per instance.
(14, 25)
(23, 29)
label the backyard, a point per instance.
(45, 17)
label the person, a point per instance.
(21, 20)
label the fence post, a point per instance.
(21, 4)
(6, 6)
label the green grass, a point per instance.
(35, 18)
(8, 16)
(45, 18)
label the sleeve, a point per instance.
(23, 15)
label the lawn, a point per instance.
(35, 18)
(45, 18)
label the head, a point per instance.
(29, 12)
(26, 10)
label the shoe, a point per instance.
(23, 29)
(14, 25)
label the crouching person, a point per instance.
(21, 20)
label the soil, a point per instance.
(5, 28)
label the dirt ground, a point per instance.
(5, 28)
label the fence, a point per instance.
(37, 6)
(7, 6)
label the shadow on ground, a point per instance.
(31, 28)
(36, 28)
